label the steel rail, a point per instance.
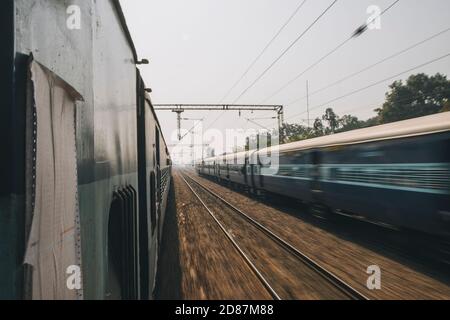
(327, 275)
(255, 270)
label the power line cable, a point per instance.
(257, 59)
(372, 65)
(286, 50)
(372, 85)
(357, 32)
(264, 49)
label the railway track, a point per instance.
(284, 274)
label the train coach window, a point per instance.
(53, 228)
(315, 157)
(114, 290)
(122, 246)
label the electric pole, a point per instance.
(307, 101)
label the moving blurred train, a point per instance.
(85, 169)
(397, 173)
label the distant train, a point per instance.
(85, 169)
(397, 173)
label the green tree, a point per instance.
(318, 128)
(333, 121)
(421, 95)
(374, 121)
(295, 132)
(349, 122)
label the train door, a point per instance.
(261, 176)
(314, 173)
(12, 151)
(245, 170)
(252, 177)
(253, 168)
(218, 169)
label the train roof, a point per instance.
(126, 30)
(407, 128)
(123, 22)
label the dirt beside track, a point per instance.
(289, 276)
(196, 260)
(347, 260)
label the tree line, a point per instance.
(419, 95)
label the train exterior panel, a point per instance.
(299, 184)
(236, 167)
(118, 145)
(402, 182)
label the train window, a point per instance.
(114, 290)
(315, 157)
(371, 154)
(122, 246)
(300, 158)
(295, 157)
(51, 156)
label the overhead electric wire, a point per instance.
(307, 69)
(372, 85)
(257, 59)
(371, 66)
(410, 98)
(264, 49)
(259, 125)
(193, 127)
(215, 120)
(358, 31)
(285, 51)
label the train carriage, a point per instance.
(86, 171)
(397, 173)
(236, 164)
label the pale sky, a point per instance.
(199, 48)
